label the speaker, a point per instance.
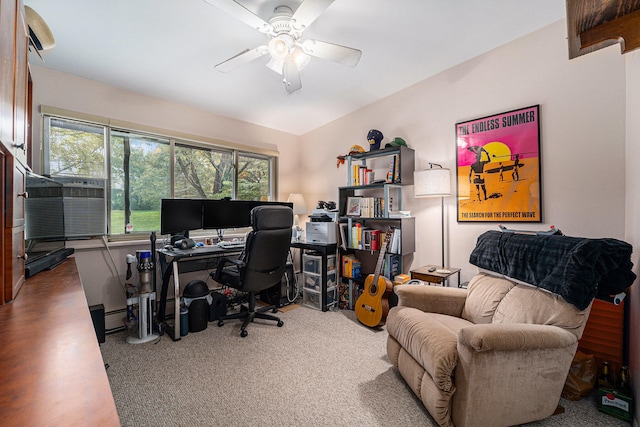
(278, 295)
(218, 307)
(185, 243)
(97, 316)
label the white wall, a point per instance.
(633, 211)
(582, 115)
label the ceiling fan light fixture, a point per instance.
(280, 46)
(300, 58)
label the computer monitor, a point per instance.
(179, 216)
(225, 213)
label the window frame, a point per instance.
(175, 139)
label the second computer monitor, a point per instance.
(221, 214)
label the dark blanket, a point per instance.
(577, 269)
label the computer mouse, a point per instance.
(199, 244)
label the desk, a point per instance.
(194, 259)
(423, 273)
(52, 369)
(324, 250)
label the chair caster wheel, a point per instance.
(220, 323)
(244, 334)
(280, 323)
(274, 310)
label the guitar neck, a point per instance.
(383, 251)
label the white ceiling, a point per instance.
(168, 49)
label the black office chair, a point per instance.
(262, 263)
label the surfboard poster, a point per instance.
(498, 167)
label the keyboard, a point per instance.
(230, 245)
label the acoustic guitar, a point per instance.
(372, 306)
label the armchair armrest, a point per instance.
(514, 336)
(433, 299)
(521, 365)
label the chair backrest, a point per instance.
(493, 299)
(267, 247)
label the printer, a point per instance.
(322, 232)
(322, 227)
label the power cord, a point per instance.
(106, 245)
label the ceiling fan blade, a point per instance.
(332, 52)
(308, 12)
(242, 58)
(242, 14)
(291, 75)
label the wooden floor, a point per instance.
(51, 368)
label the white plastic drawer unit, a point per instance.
(313, 263)
(314, 281)
(313, 299)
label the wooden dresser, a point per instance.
(51, 368)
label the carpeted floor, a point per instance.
(319, 369)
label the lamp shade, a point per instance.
(299, 205)
(432, 183)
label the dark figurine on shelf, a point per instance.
(375, 138)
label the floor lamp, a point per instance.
(433, 182)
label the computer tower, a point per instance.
(280, 294)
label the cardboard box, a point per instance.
(615, 403)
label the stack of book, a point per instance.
(351, 266)
(360, 175)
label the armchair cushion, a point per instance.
(485, 293)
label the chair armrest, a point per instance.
(223, 263)
(433, 299)
(514, 336)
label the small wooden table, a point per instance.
(434, 276)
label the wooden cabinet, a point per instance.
(15, 102)
(20, 127)
(8, 15)
(14, 227)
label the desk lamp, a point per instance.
(433, 183)
(299, 208)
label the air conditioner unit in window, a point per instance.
(85, 206)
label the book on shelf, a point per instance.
(343, 235)
(399, 214)
(391, 266)
(360, 175)
(395, 245)
(372, 207)
(393, 175)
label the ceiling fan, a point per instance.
(289, 53)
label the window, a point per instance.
(141, 169)
(140, 177)
(253, 177)
(203, 173)
(74, 149)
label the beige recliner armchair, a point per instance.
(495, 354)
